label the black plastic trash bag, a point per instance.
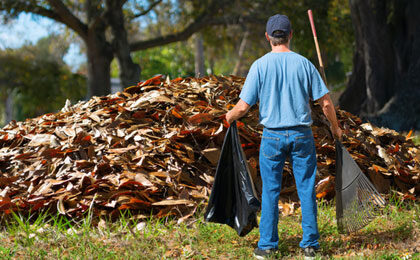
(233, 200)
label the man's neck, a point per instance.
(280, 48)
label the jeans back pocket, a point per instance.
(271, 144)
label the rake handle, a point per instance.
(321, 64)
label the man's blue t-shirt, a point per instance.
(283, 83)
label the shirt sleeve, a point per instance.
(318, 88)
(249, 92)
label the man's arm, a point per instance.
(329, 111)
(240, 109)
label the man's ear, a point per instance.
(266, 36)
(290, 35)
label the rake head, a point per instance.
(357, 200)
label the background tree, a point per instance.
(92, 20)
(384, 86)
(36, 79)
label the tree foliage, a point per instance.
(174, 60)
(37, 79)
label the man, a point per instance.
(283, 82)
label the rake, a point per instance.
(357, 200)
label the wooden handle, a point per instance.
(311, 20)
(321, 65)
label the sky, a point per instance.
(29, 28)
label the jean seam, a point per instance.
(276, 133)
(302, 137)
(271, 138)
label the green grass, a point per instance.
(416, 139)
(393, 235)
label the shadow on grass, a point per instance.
(376, 240)
(398, 238)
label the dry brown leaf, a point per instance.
(212, 154)
(173, 202)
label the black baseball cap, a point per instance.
(280, 23)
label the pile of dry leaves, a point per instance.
(153, 149)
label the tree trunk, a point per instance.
(385, 63)
(129, 71)
(9, 106)
(99, 54)
(237, 70)
(199, 56)
(99, 51)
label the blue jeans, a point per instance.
(276, 145)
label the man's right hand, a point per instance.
(329, 112)
(337, 133)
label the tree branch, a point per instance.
(30, 7)
(148, 9)
(122, 2)
(200, 23)
(47, 13)
(99, 18)
(69, 19)
(107, 11)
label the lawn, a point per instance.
(393, 235)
